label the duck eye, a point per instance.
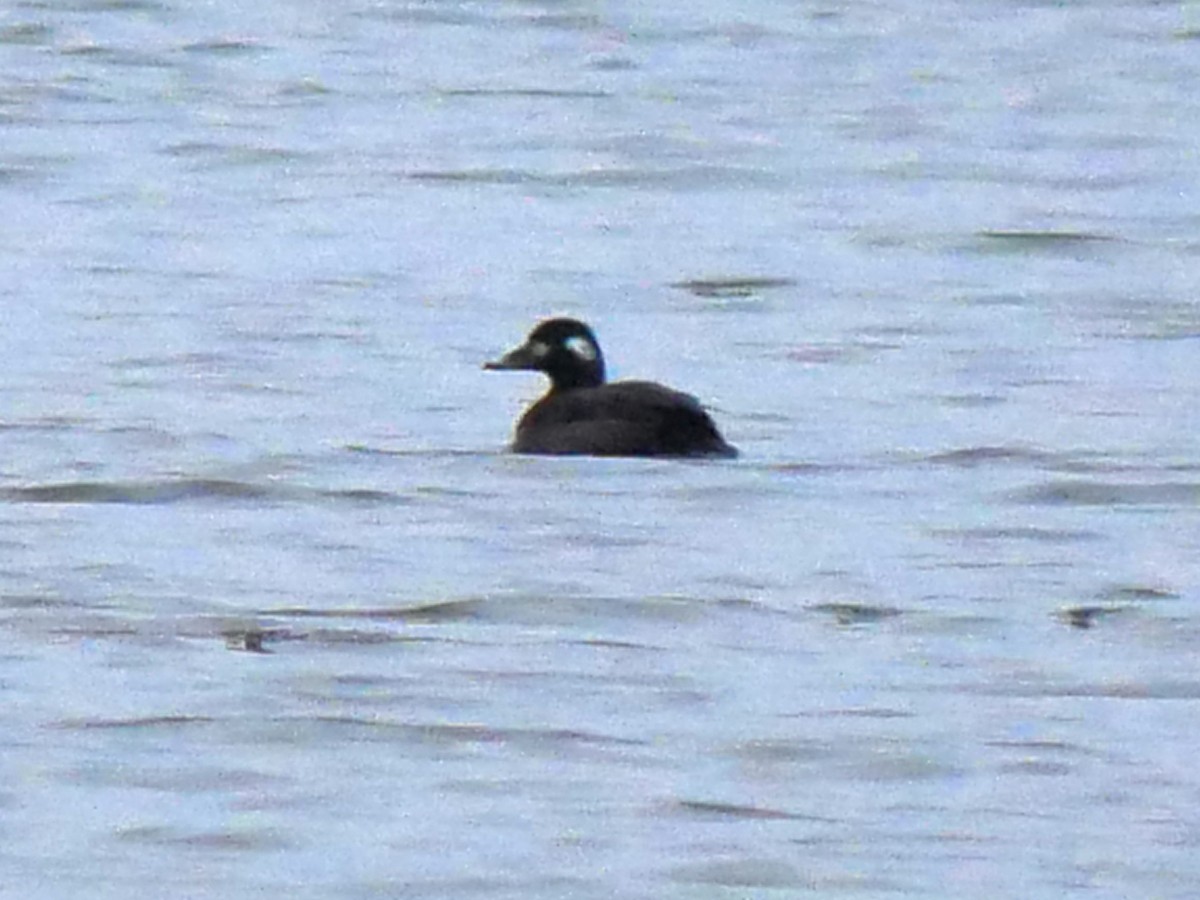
(538, 349)
(581, 347)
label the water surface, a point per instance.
(279, 614)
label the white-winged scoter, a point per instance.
(582, 414)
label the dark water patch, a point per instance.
(1030, 766)
(742, 605)
(1165, 331)
(1108, 690)
(485, 16)
(136, 723)
(768, 418)
(116, 56)
(253, 639)
(472, 733)
(237, 839)
(972, 401)
(611, 63)
(185, 490)
(194, 360)
(33, 33)
(745, 873)
(1092, 493)
(96, 5)
(225, 46)
(857, 712)
(872, 760)
(147, 492)
(601, 541)
(95, 630)
(428, 14)
(698, 177)
(1018, 533)
(564, 21)
(511, 609)
(361, 637)
(971, 565)
(476, 176)
(444, 611)
(32, 602)
(713, 810)
(165, 775)
(674, 689)
(855, 613)
(987, 455)
(1139, 592)
(1042, 746)
(1045, 243)
(259, 640)
(232, 155)
(826, 354)
(733, 285)
(28, 168)
(302, 88)
(997, 298)
(1085, 617)
(442, 491)
(612, 644)
(303, 336)
(409, 453)
(807, 469)
(491, 884)
(531, 93)
(718, 496)
(364, 496)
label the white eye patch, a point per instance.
(581, 347)
(538, 349)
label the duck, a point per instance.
(583, 414)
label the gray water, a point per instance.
(280, 616)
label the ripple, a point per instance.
(533, 93)
(224, 46)
(1022, 533)
(517, 609)
(1046, 243)
(482, 16)
(743, 873)
(98, 5)
(470, 732)
(1093, 493)
(714, 810)
(1084, 617)
(698, 177)
(237, 839)
(182, 490)
(1118, 690)
(989, 454)
(733, 285)
(147, 492)
(26, 33)
(1140, 592)
(856, 613)
(139, 722)
(447, 611)
(232, 154)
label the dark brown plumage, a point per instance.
(581, 414)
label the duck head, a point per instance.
(565, 349)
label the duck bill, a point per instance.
(519, 358)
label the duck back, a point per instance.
(624, 418)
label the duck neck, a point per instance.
(577, 377)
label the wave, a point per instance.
(186, 490)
